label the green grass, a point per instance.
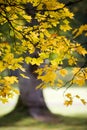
(20, 120)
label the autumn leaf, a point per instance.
(68, 103)
(63, 72)
(83, 101)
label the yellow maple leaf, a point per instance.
(77, 96)
(72, 61)
(68, 95)
(8, 8)
(27, 17)
(83, 101)
(68, 102)
(60, 83)
(4, 100)
(75, 70)
(81, 50)
(79, 80)
(63, 72)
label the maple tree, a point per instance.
(19, 39)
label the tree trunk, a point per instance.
(31, 97)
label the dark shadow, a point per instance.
(21, 113)
(20, 117)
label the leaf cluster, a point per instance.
(25, 29)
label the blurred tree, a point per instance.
(28, 37)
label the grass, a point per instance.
(20, 120)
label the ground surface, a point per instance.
(20, 120)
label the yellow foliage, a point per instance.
(80, 76)
(49, 76)
(28, 18)
(8, 8)
(60, 83)
(65, 27)
(68, 102)
(77, 96)
(63, 72)
(6, 89)
(83, 101)
(77, 32)
(72, 61)
(23, 38)
(81, 50)
(68, 95)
